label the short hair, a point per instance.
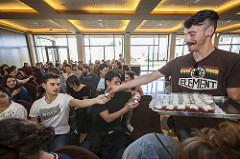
(74, 65)
(201, 16)
(126, 68)
(67, 65)
(4, 82)
(11, 68)
(49, 76)
(110, 75)
(212, 143)
(5, 90)
(102, 66)
(73, 79)
(54, 70)
(20, 138)
(131, 74)
(86, 67)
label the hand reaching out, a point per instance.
(131, 105)
(112, 89)
(102, 99)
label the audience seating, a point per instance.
(76, 152)
(144, 120)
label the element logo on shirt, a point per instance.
(46, 114)
(197, 80)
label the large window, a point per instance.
(99, 47)
(230, 42)
(149, 51)
(56, 47)
(180, 48)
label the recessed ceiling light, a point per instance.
(100, 20)
(126, 5)
(36, 23)
(229, 21)
(160, 24)
(196, 1)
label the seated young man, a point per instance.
(107, 137)
(53, 109)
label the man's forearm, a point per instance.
(82, 103)
(144, 79)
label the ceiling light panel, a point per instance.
(224, 25)
(30, 25)
(94, 6)
(13, 6)
(100, 26)
(165, 26)
(192, 6)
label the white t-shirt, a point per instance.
(14, 110)
(55, 114)
(101, 84)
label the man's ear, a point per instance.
(43, 85)
(210, 30)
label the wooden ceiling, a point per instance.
(113, 16)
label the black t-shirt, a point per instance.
(85, 91)
(114, 105)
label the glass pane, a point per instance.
(180, 39)
(163, 47)
(236, 48)
(88, 55)
(178, 51)
(139, 56)
(225, 39)
(119, 45)
(224, 47)
(72, 45)
(86, 40)
(109, 53)
(185, 50)
(236, 40)
(62, 52)
(51, 55)
(96, 53)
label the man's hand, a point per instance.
(102, 99)
(131, 105)
(112, 89)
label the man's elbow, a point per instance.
(108, 120)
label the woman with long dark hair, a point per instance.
(17, 92)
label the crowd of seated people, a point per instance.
(78, 80)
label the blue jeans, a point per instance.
(58, 141)
(149, 147)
